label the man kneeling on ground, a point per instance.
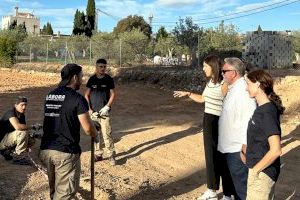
(13, 133)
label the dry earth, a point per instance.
(158, 141)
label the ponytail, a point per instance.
(275, 99)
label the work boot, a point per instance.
(98, 158)
(21, 159)
(112, 160)
(6, 154)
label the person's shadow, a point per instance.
(171, 189)
(139, 149)
(288, 184)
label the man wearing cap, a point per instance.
(100, 94)
(13, 133)
(64, 111)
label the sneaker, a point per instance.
(209, 195)
(226, 198)
(98, 158)
(112, 160)
(6, 154)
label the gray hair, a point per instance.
(237, 64)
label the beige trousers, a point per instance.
(63, 171)
(106, 143)
(19, 139)
(259, 186)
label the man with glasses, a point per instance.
(238, 108)
(14, 134)
(100, 94)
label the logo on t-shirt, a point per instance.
(52, 97)
(94, 86)
(103, 86)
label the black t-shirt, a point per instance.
(263, 124)
(6, 126)
(61, 124)
(100, 91)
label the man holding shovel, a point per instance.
(64, 111)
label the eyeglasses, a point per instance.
(227, 70)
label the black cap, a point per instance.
(67, 72)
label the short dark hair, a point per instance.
(102, 61)
(21, 99)
(67, 72)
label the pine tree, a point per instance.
(13, 25)
(90, 17)
(49, 29)
(259, 29)
(79, 23)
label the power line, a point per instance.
(245, 11)
(250, 13)
(236, 17)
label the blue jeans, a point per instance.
(239, 174)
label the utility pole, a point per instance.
(151, 36)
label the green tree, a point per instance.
(13, 25)
(90, 18)
(168, 46)
(134, 44)
(21, 30)
(8, 45)
(296, 41)
(47, 29)
(79, 23)
(224, 37)
(133, 22)
(105, 45)
(259, 29)
(161, 33)
(187, 33)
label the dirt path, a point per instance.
(158, 141)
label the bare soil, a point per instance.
(158, 139)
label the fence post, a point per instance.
(120, 52)
(198, 49)
(30, 53)
(90, 52)
(66, 53)
(47, 54)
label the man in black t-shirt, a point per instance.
(13, 133)
(100, 94)
(64, 111)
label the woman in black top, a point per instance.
(263, 137)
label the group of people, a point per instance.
(65, 110)
(241, 130)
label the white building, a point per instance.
(32, 23)
(268, 49)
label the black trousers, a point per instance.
(216, 165)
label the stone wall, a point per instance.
(175, 78)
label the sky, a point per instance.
(246, 15)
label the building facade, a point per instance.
(268, 49)
(31, 22)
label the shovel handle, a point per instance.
(92, 168)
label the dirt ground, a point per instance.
(158, 139)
